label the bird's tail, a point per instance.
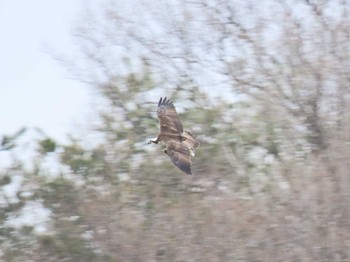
(190, 141)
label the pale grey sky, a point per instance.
(35, 91)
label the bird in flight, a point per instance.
(180, 144)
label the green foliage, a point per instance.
(83, 162)
(60, 195)
(64, 246)
(47, 145)
(5, 180)
(8, 142)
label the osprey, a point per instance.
(180, 145)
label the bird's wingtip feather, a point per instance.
(164, 101)
(185, 168)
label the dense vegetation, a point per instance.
(271, 178)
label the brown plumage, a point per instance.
(180, 145)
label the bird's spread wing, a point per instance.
(190, 141)
(180, 155)
(170, 122)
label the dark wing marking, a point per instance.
(179, 155)
(170, 122)
(190, 140)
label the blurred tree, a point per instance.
(261, 85)
(8, 142)
(288, 57)
(47, 145)
(258, 193)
